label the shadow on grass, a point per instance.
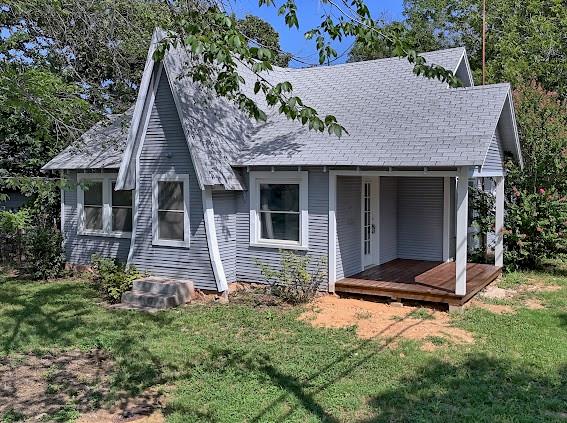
(304, 390)
(479, 389)
(37, 316)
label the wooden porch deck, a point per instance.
(419, 280)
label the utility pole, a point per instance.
(483, 42)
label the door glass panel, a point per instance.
(367, 223)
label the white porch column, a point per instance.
(461, 231)
(332, 262)
(446, 217)
(499, 224)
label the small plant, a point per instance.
(293, 281)
(44, 257)
(363, 315)
(112, 277)
(436, 340)
(421, 313)
(12, 416)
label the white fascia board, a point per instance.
(515, 127)
(464, 57)
(212, 240)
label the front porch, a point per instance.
(420, 280)
(403, 234)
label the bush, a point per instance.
(43, 251)
(292, 281)
(12, 227)
(535, 217)
(482, 214)
(535, 228)
(112, 277)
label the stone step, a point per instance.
(156, 301)
(158, 293)
(164, 286)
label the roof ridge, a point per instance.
(486, 87)
(360, 63)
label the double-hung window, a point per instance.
(170, 210)
(278, 209)
(101, 210)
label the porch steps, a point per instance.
(155, 293)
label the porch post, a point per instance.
(499, 224)
(461, 230)
(332, 262)
(446, 217)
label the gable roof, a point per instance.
(393, 118)
(101, 147)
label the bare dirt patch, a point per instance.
(533, 304)
(495, 292)
(374, 319)
(538, 287)
(494, 308)
(73, 384)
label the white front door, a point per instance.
(369, 221)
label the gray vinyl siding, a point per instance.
(420, 218)
(165, 150)
(348, 225)
(224, 203)
(247, 256)
(494, 158)
(80, 248)
(388, 227)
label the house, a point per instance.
(184, 185)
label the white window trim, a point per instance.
(301, 178)
(171, 177)
(107, 179)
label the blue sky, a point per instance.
(309, 14)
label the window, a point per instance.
(121, 210)
(103, 211)
(171, 210)
(278, 209)
(93, 206)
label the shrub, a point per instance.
(293, 281)
(112, 277)
(43, 251)
(535, 228)
(12, 227)
(482, 214)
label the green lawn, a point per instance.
(241, 363)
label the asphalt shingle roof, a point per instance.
(100, 147)
(393, 118)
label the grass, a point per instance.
(244, 363)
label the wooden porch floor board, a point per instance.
(418, 280)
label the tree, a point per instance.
(99, 45)
(525, 39)
(262, 34)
